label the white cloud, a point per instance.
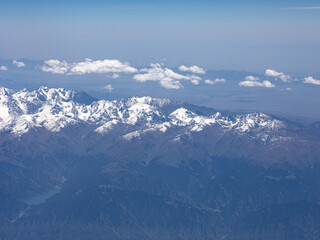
(55, 66)
(277, 75)
(212, 82)
(311, 80)
(101, 66)
(273, 73)
(195, 82)
(193, 69)
(115, 76)
(289, 89)
(18, 64)
(3, 68)
(87, 67)
(108, 88)
(250, 83)
(167, 78)
(252, 78)
(171, 84)
(208, 81)
(253, 81)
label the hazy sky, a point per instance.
(238, 35)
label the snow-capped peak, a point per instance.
(55, 108)
(4, 91)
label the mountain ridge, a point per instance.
(54, 108)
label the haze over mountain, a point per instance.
(74, 167)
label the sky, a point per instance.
(237, 35)
(233, 55)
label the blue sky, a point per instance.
(239, 35)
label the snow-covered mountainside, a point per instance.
(57, 108)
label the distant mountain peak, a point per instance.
(57, 108)
(4, 91)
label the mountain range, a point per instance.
(74, 167)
